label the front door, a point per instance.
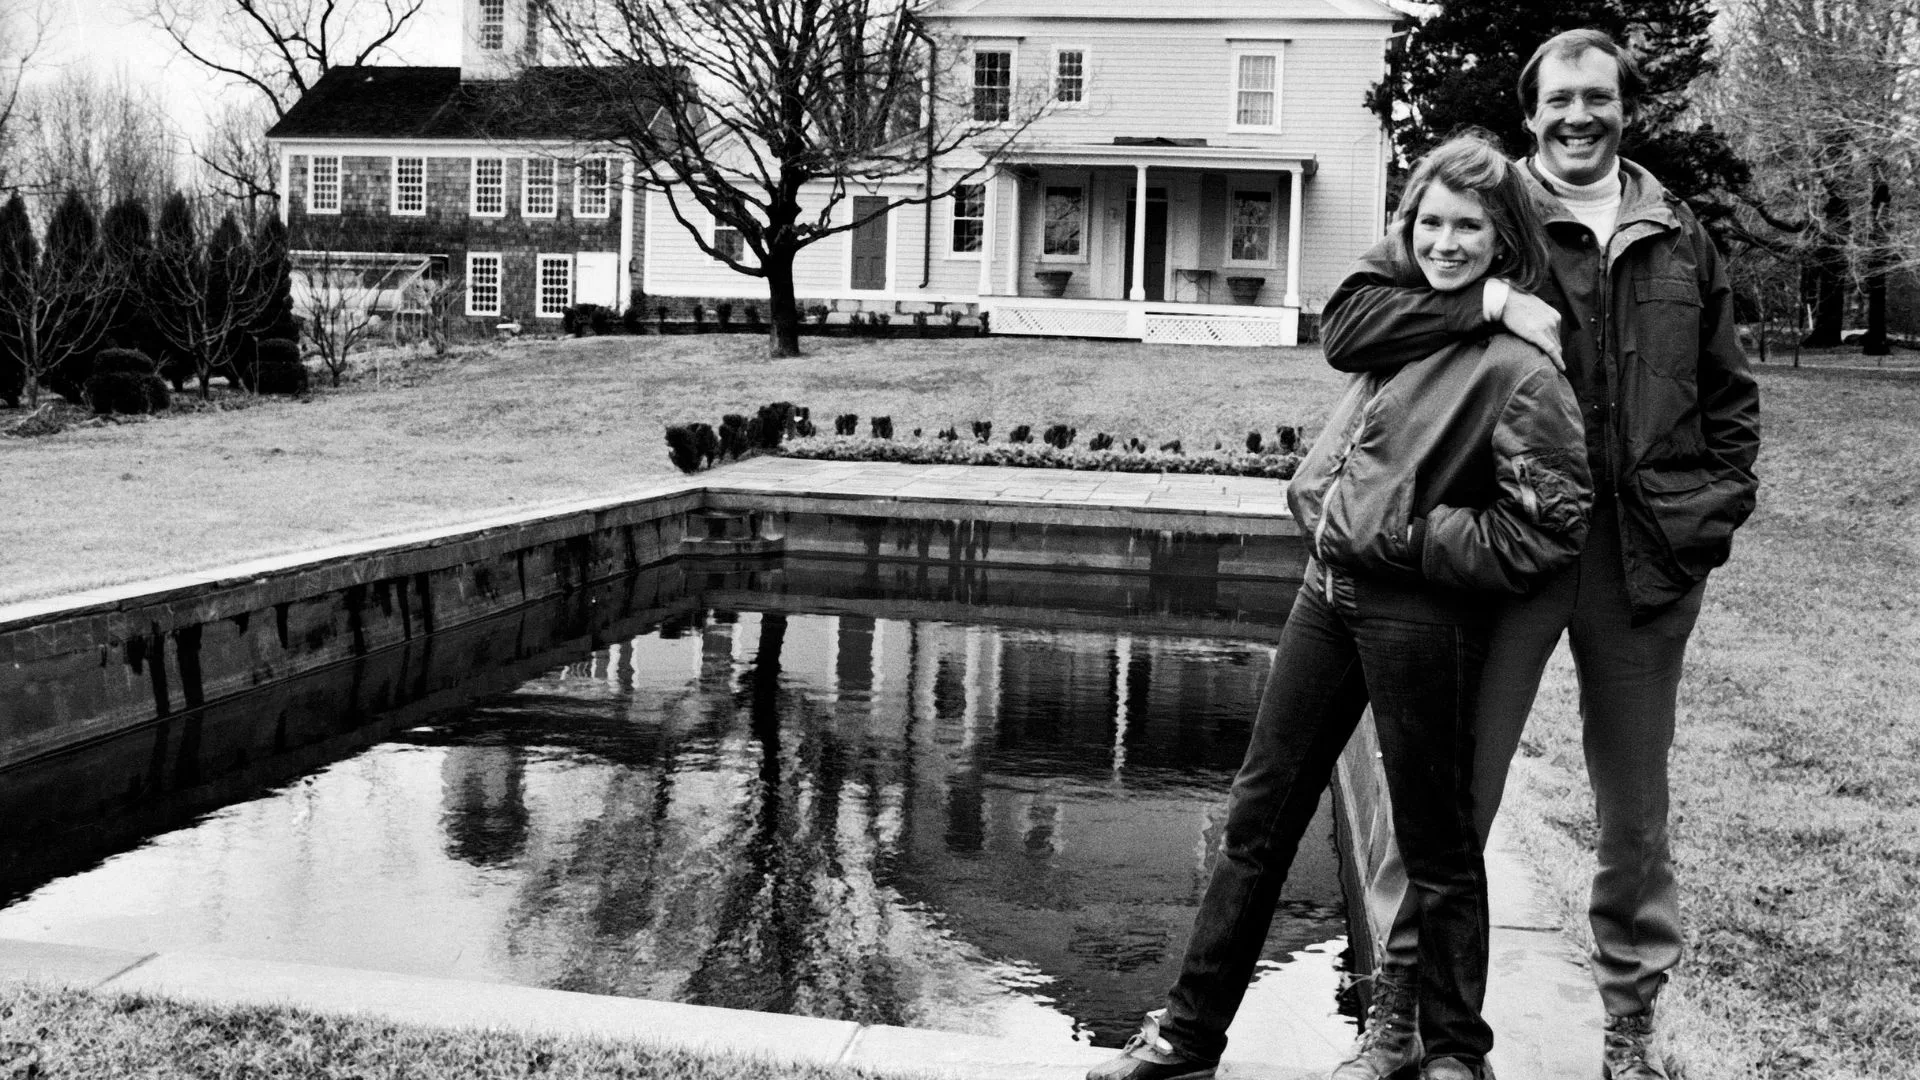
(1156, 274)
(869, 244)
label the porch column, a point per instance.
(1294, 183)
(989, 241)
(1013, 233)
(1138, 290)
(286, 180)
(623, 280)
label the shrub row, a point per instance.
(696, 446)
(128, 382)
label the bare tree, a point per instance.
(56, 298)
(236, 160)
(766, 117)
(278, 49)
(106, 138)
(207, 298)
(23, 30)
(332, 298)
(1824, 101)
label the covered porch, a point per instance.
(1155, 240)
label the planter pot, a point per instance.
(1245, 289)
(1054, 282)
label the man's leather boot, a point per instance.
(1390, 1045)
(1630, 1053)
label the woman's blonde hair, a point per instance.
(1471, 163)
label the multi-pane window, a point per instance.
(323, 185)
(409, 185)
(592, 188)
(483, 284)
(534, 18)
(969, 218)
(1250, 227)
(1070, 76)
(1065, 223)
(493, 24)
(728, 243)
(489, 187)
(1256, 90)
(539, 195)
(555, 286)
(992, 86)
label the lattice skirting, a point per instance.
(1213, 330)
(1059, 322)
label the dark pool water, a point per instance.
(972, 827)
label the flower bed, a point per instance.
(1030, 455)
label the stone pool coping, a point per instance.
(1542, 1005)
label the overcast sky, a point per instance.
(108, 36)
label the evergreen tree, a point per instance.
(1461, 67)
(127, 235)
(276, 282)
(176, 266)
(73, 250)
(18, 254)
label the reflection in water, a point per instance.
(966, 827)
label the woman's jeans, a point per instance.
(1422, 679)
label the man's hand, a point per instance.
(1534, 321)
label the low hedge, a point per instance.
(1028, 455)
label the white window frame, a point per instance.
(396, 206)
(1085, 81)
(493, 25)
(540, 308)
(581, 188)
(473, 189)
(499, 282)
(528, 166)
(1276, 53)
(954, 219)
(315, 204)
(1237, 186)
(1086, 242)
(1013, 81)
(739, 240)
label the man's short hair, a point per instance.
(1569, 45)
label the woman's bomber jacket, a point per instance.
(1466, 470)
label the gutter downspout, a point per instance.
(926, 208)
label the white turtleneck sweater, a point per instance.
(1595, 205)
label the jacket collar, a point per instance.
(1646, 207)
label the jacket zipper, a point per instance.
(1326, 497)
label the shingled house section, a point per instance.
(507, 182)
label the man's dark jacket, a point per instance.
(1647, 330)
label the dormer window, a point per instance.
(493, 24)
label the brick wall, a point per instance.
(366, 223)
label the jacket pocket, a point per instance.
(1666, 327)
(1696, 512)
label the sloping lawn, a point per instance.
(1797, 767)
(539, 422)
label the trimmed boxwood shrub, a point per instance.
(126, 382)
(280, 370)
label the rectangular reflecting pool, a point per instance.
(856, 790)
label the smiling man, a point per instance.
(1639, 311)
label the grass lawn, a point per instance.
(1797, 764)
(539, 422)
(69, 1034)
